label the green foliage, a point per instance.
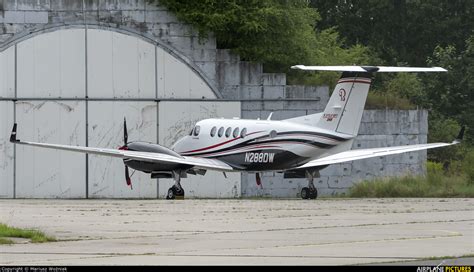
(259, 30)
(378, 100)
(435, 184)
(443, 129)
(4, 241)
(399, 30)
(408, 32)
(35, 235)
(278, 33)
(451, 94)
(468, 166)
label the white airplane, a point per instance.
(298, 147)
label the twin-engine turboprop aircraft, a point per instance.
(298, 147)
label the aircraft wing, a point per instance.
(370, 69)
(359, 154)
(201, 163)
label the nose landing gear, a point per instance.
(176, 191)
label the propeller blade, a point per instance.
(125, 133)
(127, 178)
(258, 180)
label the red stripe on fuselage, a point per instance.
(216, 145)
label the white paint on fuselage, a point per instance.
(194, 145)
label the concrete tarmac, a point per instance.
(240, 231)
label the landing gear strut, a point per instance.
(310, 192)
(176, 191)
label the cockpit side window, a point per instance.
(243, 133)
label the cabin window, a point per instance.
(228, 131)
(243, 133)
(191, 132)
(196, 130)
(213, 131)
(221, 131)
(236, 132)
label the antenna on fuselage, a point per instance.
(270, 116)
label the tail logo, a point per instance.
(342, 94)
(330, 116)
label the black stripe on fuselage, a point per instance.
(332, 137)
(263, 139)
(263, 160)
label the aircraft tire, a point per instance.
(305, 193)
(171, 193)
(313, 194)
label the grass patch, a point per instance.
(5, 241)
(435, 184)
(376, 100)
(35, 236)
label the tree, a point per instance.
(452, 94)
(278, 33)
(399, 30)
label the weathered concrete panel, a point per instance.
(177, 80)
(33, 5)
(36, 17)
(13, 17)
(274, 79)
(106, 174)
(67, 5)
(100, 63)
(176, 119)
(129, 62)
(45, 172)
(6, 150)
(52, 65)
(7, 72)
(273, 92)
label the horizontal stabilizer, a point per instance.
(369, 69)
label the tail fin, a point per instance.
(343, 112)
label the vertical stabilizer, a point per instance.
(343, 113)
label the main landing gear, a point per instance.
(310, 192)
(176, 191)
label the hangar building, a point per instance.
(70, 71)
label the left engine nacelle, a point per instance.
(148, 166)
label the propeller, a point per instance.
(125, 147)
(258, 180)
(127, 178)
(125, 133)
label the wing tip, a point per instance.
(460, 136)
(369, 69)
(299, 67)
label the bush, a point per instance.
(468, 166)
(437, 183)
